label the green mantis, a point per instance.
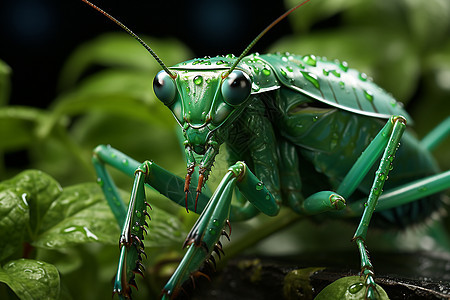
(282, 118)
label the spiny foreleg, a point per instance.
(203, 239)
(131, 240)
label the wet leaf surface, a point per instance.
(31, 279)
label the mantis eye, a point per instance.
(164, 87)
(236, 88)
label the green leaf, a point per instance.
(429, 23)
(39, 191)
(17, 126)
(315, 11)
(31, 279)
(5, 84)
(14, 219)
(25, 199)
(36, 210)
(119, 92)
(120, 50)
(79, 215)
(165, 230)
(349, 288)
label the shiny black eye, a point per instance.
(236, 88)
(164, 87)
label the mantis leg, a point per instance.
(407, 193)
(437, 135)
(132, 221)
(204, 237)
(159, 179)
(387, 141)
(381, 174)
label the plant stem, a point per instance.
(285, 218)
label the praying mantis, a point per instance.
(282, 118)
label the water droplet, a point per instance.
(363, 76)
(259, 186)
(198, 80)
(89, 234)
(311, 78)
(368, 95)
(344, 66)
(24, 199)
(266, 71)
(336, 73)
(310, 60)
(423, 189)
(376, 192)
(355, 288)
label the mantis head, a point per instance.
(204, 98)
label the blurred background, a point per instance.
(70, 79)
(38, 35)
(403, 44)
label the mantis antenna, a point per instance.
(250, 46)
(133, 35)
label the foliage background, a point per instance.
(52, 119)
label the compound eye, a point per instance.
(164, 87)
(236, 88)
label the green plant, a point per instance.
(404, 46)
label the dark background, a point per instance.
(37, 36)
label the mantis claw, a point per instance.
(187, 182)
(229, 225)
(226, 235)
(201, 179)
